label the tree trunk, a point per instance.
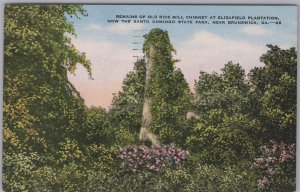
(145, 133)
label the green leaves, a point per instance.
(97, 127)
(37, 58)
(226, 131)
(275, 93)
(41, 107)
(127, 105)
(167, 89)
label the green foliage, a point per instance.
(97, 157)
(69, 151)
(127, 105)
(126, 109)
(73, 169)
(17, 169)
(210, 178)
(227, 91)
(209, 93)
(76, 177)
(41, 107)
(226, 132)
(100, 158)
(202, 178)
(171, 102)
(123, 137)
(37, 57)
(274, 88)
(171, 181)
(160, 42)
(168, 90)
(225, 143)
(174, 180)
(18, 124)
(97, 127)
(71, 177)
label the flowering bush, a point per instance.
(151, 159)
(277, 167)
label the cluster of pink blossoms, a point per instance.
(152, 159)
(277, 155)
(262, 183)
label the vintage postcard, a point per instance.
(149, 97)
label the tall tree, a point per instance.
(225, 132)
(37, 57)
(126, 109)
(127, 105)
(227, 91)
(274, 90)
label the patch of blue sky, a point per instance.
(95, 25)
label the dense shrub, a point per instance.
(226, 142)
(229, 178)
(30, 175)
(100, 158)
(184, 179)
